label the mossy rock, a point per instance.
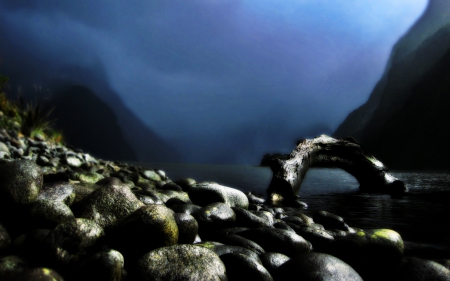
(20, 182)
(373, 253)
(148, 228)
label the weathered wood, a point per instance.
(324, 151)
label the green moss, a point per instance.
(361, 233)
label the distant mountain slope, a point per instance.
(404, 121)
(418, 134)
(37, 77)
(90, 124)
(110, 132)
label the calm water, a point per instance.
(420, 216)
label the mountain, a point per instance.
(87, 122)
(90, 113)
(403, 122)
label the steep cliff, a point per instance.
(409, 102)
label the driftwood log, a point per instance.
(324, 151)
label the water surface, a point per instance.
(421, 216)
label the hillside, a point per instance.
(403, 122)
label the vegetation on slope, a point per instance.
(31, 119)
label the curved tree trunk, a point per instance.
(324, 151)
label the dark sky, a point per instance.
(248, 74)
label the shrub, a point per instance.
(31, 118)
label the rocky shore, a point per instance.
(65, 215)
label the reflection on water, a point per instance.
(419, 216)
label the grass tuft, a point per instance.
(29, 118)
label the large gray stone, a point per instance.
(208, 192)
(148, 228)
(181, 262)
(108, 205)
(241, 267)
(20, 181)
(414, 269)
(373, 253)
(58, 191)
(187, 228)
(48, 213)
(316, 267)
(69, 241)
(107, 265)
(278, 240)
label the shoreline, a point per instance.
(76, 211)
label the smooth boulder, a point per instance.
(108, 205)
(208, 192)
(316, 267)
(277, 240)
(241, 267)
(181, 262)
(373, 253)
(70, 241)
(20, 182)
(148, 228)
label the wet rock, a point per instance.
(187, 228)
(73, 161)
(330, 221)
(20, 182)
(320, 239)
(48, 214)
(58, 191)
(11, 267)
(148, 196)
(181, 262)
(82, 190)
(4, 148)
(254, 199)
(174, 201)
(306, 219)
(373, 253)
(278, 240)
(221, 250)
(151, 175)
(271, 261)
(147, 228)
(171, 186)
(240, 241)
(297, 203)
(241, 267)
(283, 225)
(295, 220)
(70, 241)
(316, 267)
(189, 209)
(415, 269)
(41, 274)
(186, 183)
(106, 265)
(108, 205)
(214, 217)
(206, 193)
(250, 220)
(232, 230)
(85, 176)
(166, 195)
(5, 239)
(267, 215)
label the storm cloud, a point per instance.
(224, 81)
